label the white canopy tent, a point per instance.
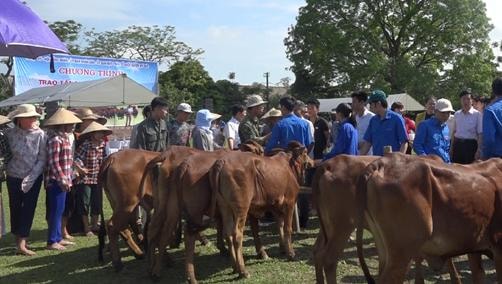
(410, 104)
(119, 90)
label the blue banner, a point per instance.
(34, 73)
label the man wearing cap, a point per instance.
(179, 130)
(362, 115)
(433, 135)
(466, 132)
(386, 128)
(492, 123)
(152, 132)
(249, 128)
(231, 130)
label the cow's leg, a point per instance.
(318, 252)
(190, 237)
(333, 251)
(288, 231)
(115, 225)
(238, 238)
(220, 244)
(454, 276)
(127, 236)
(158, 245)
(419, 273)
(255, 228)
(478, 273)
(280, 226)
(395, 268)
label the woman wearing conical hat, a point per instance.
(89, 156)
(59, 173)
(24, 171)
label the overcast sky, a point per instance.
(241, 36)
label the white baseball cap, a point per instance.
(444, 105)
(184, 107)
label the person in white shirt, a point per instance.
(466, 132)
(231, 130)
(362, 114)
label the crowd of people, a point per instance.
(67, 159)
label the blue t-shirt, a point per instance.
(433, 138)
(492, 130)
(289, 128)
(346, 141)
(387, 131)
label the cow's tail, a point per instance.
(316, 196)
(214, 181)
(151, 168)
(103, 171)
(361, 198)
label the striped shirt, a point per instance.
(90, 156)
(60, 158)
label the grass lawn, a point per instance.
(79, 263)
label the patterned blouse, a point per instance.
(60, 158)
(90, 156)
(29, 154)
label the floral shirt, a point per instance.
(179, 133)
(29, 154)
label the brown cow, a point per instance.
(120, 175)
(247, 184)
(187, 193)
(334, 197)
(419, 207)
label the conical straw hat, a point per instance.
(95, 127)
(87, 113)
(4, 120)
(273, 112)
(61, 117)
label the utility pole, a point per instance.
(267, 91)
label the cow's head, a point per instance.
(300, 160)
(252, 146)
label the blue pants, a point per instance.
(22, 205)
(56, 198)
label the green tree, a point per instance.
(399, 46)
(157, 44)
(69, 32)
(186, 81)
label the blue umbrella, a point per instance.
(24, 34)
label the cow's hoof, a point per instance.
(192, 281)
(118, 266)
(224, 252)
(244, 275)
(139, 256)
(155, 277)
(263, 255)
